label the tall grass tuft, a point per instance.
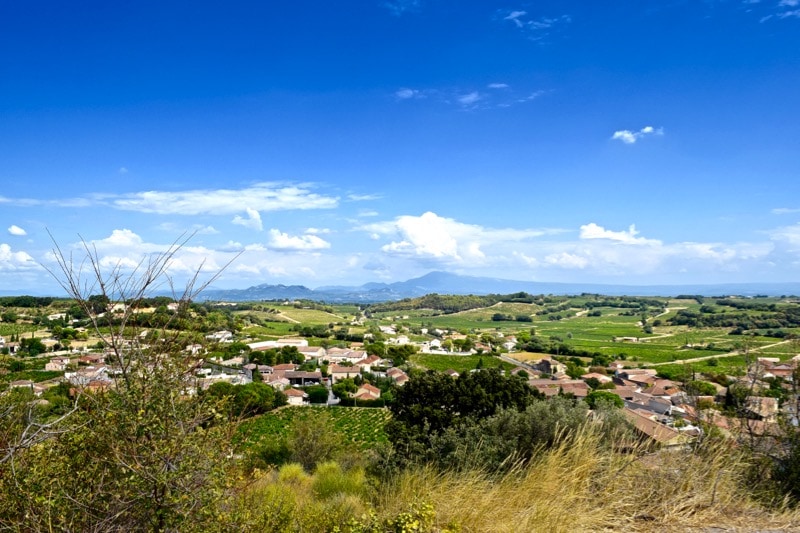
(580, 484)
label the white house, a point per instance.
(295, 396)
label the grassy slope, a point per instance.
(577, 486)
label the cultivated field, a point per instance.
(361, 428)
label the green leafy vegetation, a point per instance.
(459, 363)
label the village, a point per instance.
(665, 412)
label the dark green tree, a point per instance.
(601, 396)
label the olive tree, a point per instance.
(140, 451)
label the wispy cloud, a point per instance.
(469, 98)
(400, 7)
(259, 197)
(405, 93)
(787, 234)
(502, 95)
(535, 28)
(532, 96)
(516, 18)
(199, 229)
(785, 210)
(363, 197)
(17, 231)
(630, 137)
(784, 9)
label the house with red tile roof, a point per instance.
(295, 396)
(367, 392)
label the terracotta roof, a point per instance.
(339, 369)
(624, 392)
(302, 374)
(370, 388)
(599, 377)
(654, 430)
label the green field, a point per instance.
(272, 329)
(359, 427)
(459, 363)
(37, 376)
(6, 330)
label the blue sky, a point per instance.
(634, 142)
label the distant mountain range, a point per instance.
(447, 283)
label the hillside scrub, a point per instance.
(576, 485)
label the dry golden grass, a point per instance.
(527, 356)
(578, 486)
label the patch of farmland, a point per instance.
(459, 363)
(309, 316)
(360, 427)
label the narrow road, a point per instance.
(521, 364)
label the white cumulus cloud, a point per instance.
(566, 260)
(593, 231)
(253, 220)
(630, 137)
(14, 261)
(285, 242)
(16, 230)
(123, 238)
(430, 236)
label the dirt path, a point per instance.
(288, 318)
(667, 310)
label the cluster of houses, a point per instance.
(342, 363)
(88, 371)
(661, 410)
